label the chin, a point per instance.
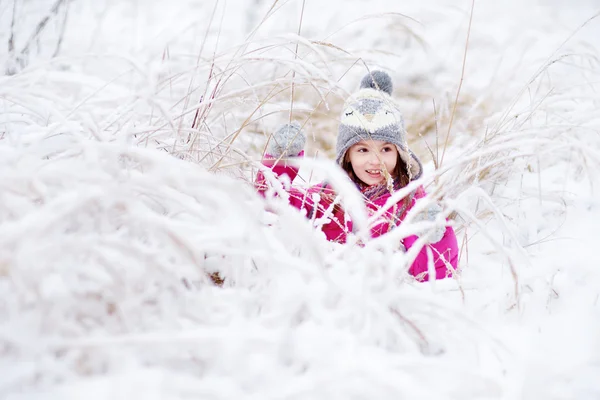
(372, 182)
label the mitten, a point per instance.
(287, 141)
(430, 213)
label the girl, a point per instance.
(371, 147)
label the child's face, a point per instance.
(369, 158)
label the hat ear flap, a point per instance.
(413, 164)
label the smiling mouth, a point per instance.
(374, 171)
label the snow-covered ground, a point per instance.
(124, 166)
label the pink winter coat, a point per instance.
(445, 251)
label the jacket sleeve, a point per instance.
(444, 253)
(280, 169)
(302, 199)
(442, 246)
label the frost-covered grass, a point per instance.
(125, 164)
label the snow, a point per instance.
(114, 208)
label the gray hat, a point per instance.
(371, 113)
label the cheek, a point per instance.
(390, 160)
(355, 158)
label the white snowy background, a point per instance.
(129, 134)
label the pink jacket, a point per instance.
(445, 251)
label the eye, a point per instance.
(387, 149)
(387, 112)
(349, 113)
(362, 150)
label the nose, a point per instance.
(373, 159)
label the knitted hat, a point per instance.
(371, 113)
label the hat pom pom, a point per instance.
(378, 80)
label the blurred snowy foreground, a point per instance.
(129, 134)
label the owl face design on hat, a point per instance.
(371, 115)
